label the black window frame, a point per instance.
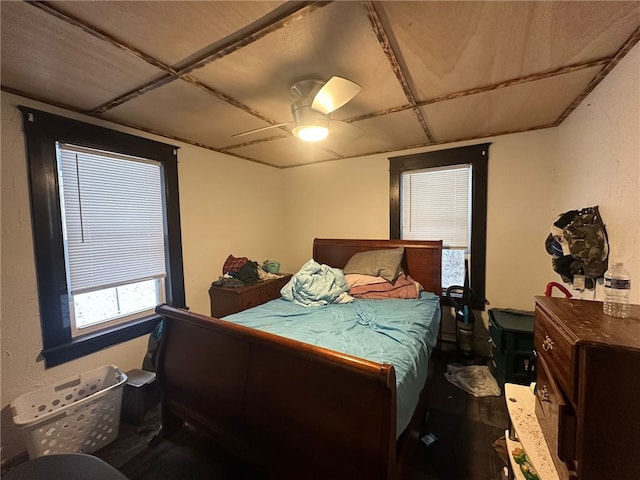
(42, 131)
(477, 156)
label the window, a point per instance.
(436, 203)
(113, 232)
(443, 196)
(106, 224)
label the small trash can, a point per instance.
(80, 414)
(141, 393)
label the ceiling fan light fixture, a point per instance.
(310, 126)
(315, 101)
(311, 133)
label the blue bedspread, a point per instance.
(399, 332)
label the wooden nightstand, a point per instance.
(225, 301)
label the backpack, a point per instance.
(579, 245)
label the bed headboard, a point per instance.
(422, 259)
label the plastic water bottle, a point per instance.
(617, 285)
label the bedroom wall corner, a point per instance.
(518, 206)
(336, 199)
(228, 206)
(598, 163)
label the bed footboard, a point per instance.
(292, 409)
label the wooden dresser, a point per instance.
(225, 301)
(588, 388)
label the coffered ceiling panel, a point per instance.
(169, 31)
(449, 49)
(334, 40)
(507, 109)
(55, 61)
(203, 71)
(185, 111)
(286, 152)
(381, 134)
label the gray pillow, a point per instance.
(379, 263)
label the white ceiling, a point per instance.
(431, 72)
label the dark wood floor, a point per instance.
(465, 427)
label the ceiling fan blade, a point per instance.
(334, 94)
(260, 129)
(344, 130)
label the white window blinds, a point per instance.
(113, 218)
(436, 205)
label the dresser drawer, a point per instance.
(592, 411)
(555, 348)
(556, 417)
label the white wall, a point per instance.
(518, 218)
(597, 162)
(338, 199)
(228, 206)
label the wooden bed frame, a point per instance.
(291, 409)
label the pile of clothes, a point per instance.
(240, 272)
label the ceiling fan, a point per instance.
(315, 100)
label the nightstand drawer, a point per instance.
(271, 291)
(251, 299)
(225, 300)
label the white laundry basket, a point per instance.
(79, 414)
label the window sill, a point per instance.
(93, 342)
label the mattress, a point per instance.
(400, 332)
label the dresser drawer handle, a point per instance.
(544, 393)
(547, 344)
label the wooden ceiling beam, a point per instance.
(244, 37)
(423, 145)
(518, 81)
(239, 39)
(98, 33)
(292, 12)
(607, 61)
(612, 62)
(392, 57)
(488, 88)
